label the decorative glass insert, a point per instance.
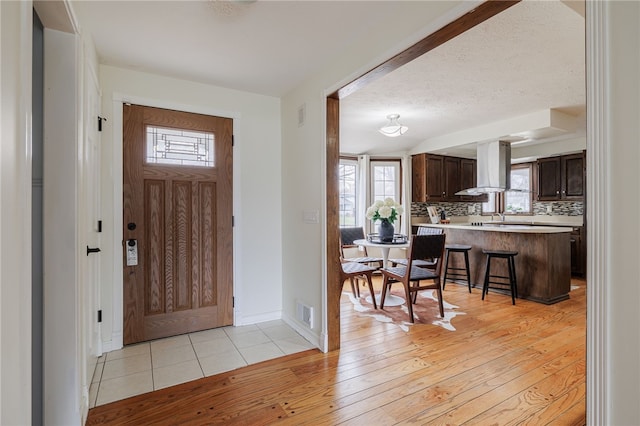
(180, 147)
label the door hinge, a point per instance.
(100, 120)
(233, 302)
(100, 315)
(233, 140)
(233, 221)
(99, 226)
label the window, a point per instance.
(490, 206)
(513, 202)
(181, 147)
(348, 181)
(385, 182)
(519, 202)
(385, 179)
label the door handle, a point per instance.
(92, 250)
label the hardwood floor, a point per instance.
(504, 364)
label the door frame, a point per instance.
(117, 237)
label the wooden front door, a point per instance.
(178, 214)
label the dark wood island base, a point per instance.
(543, 263)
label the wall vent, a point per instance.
(304, 314)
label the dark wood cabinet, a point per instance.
(468, 179)
(561, 178)
(573, 176)
(549, 178)
(434, 177)
(439, 177)
(452, 178)
(578, 251)
(418, 181)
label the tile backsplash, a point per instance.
(558, 208)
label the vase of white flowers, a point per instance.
(386, 212)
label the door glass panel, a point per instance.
(179, 147)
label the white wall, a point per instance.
(303, 150)
(15, 213)
(257, 188)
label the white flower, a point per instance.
(371, 211)
(387, 210)
(384, 212)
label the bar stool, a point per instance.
(456, 272)
(511, 264)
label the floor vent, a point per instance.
(305, 314)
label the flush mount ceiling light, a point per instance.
(393, 128)
(230, 7)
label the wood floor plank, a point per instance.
(561, 408)
(497, 395)
(523, 406)
(503, 364)
(441, 397)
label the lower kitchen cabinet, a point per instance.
(578, 251)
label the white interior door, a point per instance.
(90, 228)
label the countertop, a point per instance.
(535, 220)
(530, 228)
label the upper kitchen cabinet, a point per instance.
(452, 178)
(418, 181)
(561, 178)
(469, 179)
(439, 177)
(434, 178)
(427, 172)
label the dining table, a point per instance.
(385, 248)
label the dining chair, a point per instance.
(422, 247)
(347, 236)
(357, 271)
(429, 263)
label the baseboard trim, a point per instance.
(303, 331)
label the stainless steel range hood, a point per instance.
(494, 168)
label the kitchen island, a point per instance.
(543, 263)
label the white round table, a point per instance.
(385, 248)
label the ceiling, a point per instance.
(528, 60)
(254, 46)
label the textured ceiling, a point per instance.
(526, 59)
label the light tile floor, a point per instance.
(166, 362)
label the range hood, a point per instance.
(494, 168)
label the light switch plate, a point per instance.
(311, 216)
